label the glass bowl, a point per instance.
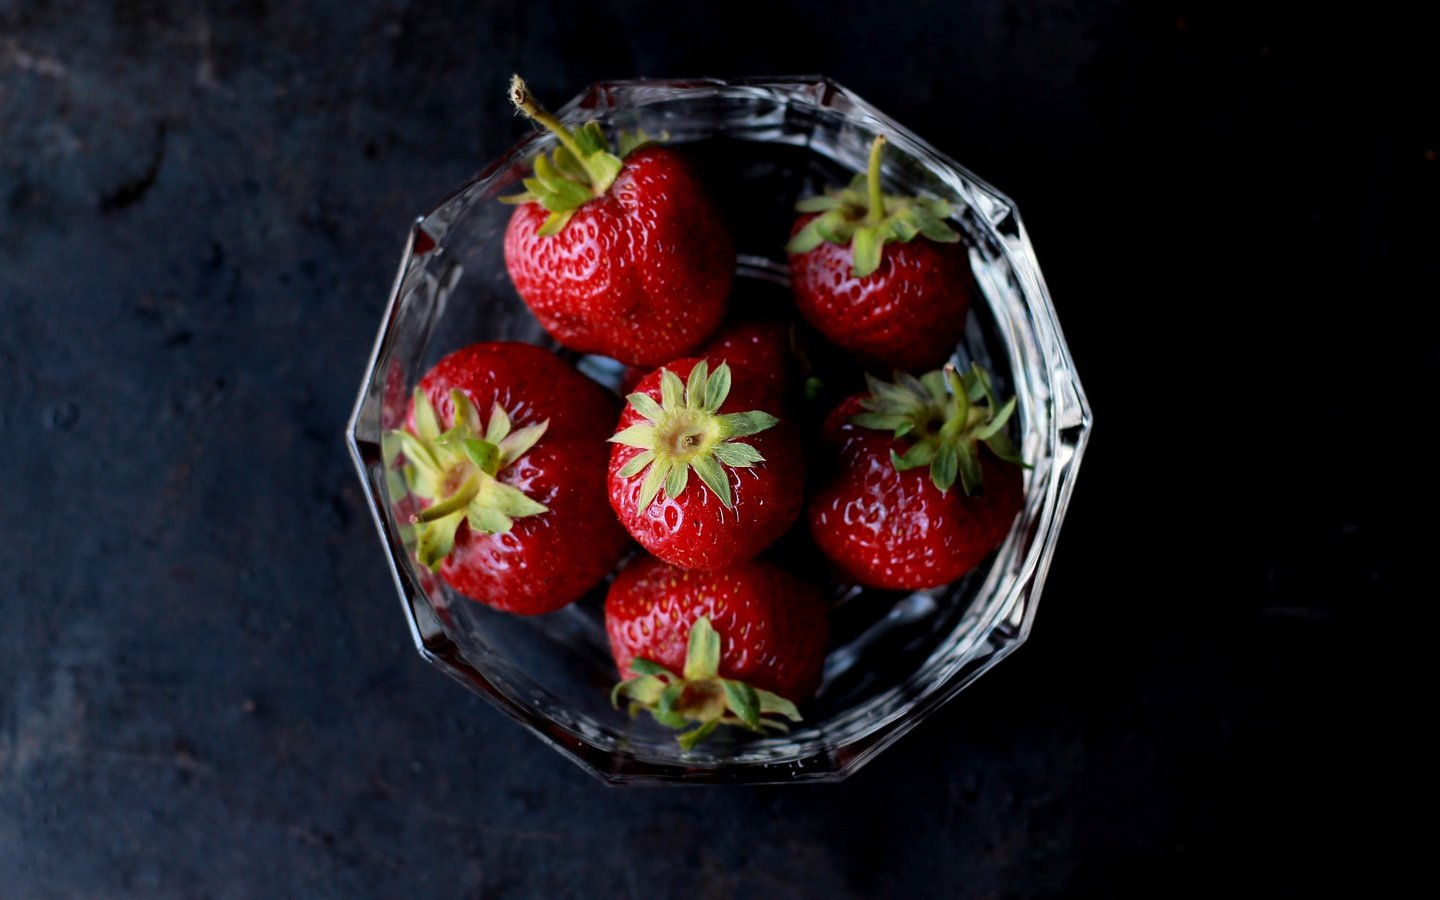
(760, 144)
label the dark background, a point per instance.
(206, 686)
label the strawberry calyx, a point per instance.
(455, 470)
(699, 696)
(685, 432)
(865, 217)
(946, 416)
(582, 168)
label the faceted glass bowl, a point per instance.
(894, 657)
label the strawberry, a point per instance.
(759, 347)
(617, 253)
(746, 641)
(513, 511)
(884, 277)
(890, 514)
(745, 493)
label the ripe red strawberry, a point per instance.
(890, 515)
(881, 276)
(514, 513)
(760, 348)
(618, 254)
(744, 631)
(745, 493)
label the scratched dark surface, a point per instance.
(206, 688)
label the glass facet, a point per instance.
(894, 657)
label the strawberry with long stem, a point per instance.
(617, 250)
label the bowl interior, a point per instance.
(759, 147)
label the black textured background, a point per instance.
(206, 687)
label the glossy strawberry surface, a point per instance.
(759, 347)
(908, 314)
(695, 530)
(544, 561)
(773, 626)
(641, 274)
(896, 530)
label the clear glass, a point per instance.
(894, 657)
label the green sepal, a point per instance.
(464, 417)
(554, 190)
(697, 385)
(676, 479)
(655, 477)
(646, 667)
(742, 700)
(738, 456)
(945, 415)
(737, 425)
(685, 433)
(509, 500)
(1001, 445)
(435, 540)
(644, 690)
(637, 464)
(577, 171)
(518, 442)
(806, 239)
(969, 464)
(415, 451)
(715, 479)
(606, 168)
(591, 139)
(665, 710)
(628, 142)
(822, 203)
(702, 655)
(945, 466)
(689, 739)
(929, 217)
(555, 223)
(998, 422)
(427, 426)
(698, 701)
(866, 219)
(718, 388)
(920, 453)
(483, 454)
(456, 502)
(564, 200)
(865, 247)
(672, 391)
(568, 165)
(646, 406)
(880, 421)
(392, 453)
(834, 227)
(771, 703)
(642, 436)
(489, 521)
(456, 472)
